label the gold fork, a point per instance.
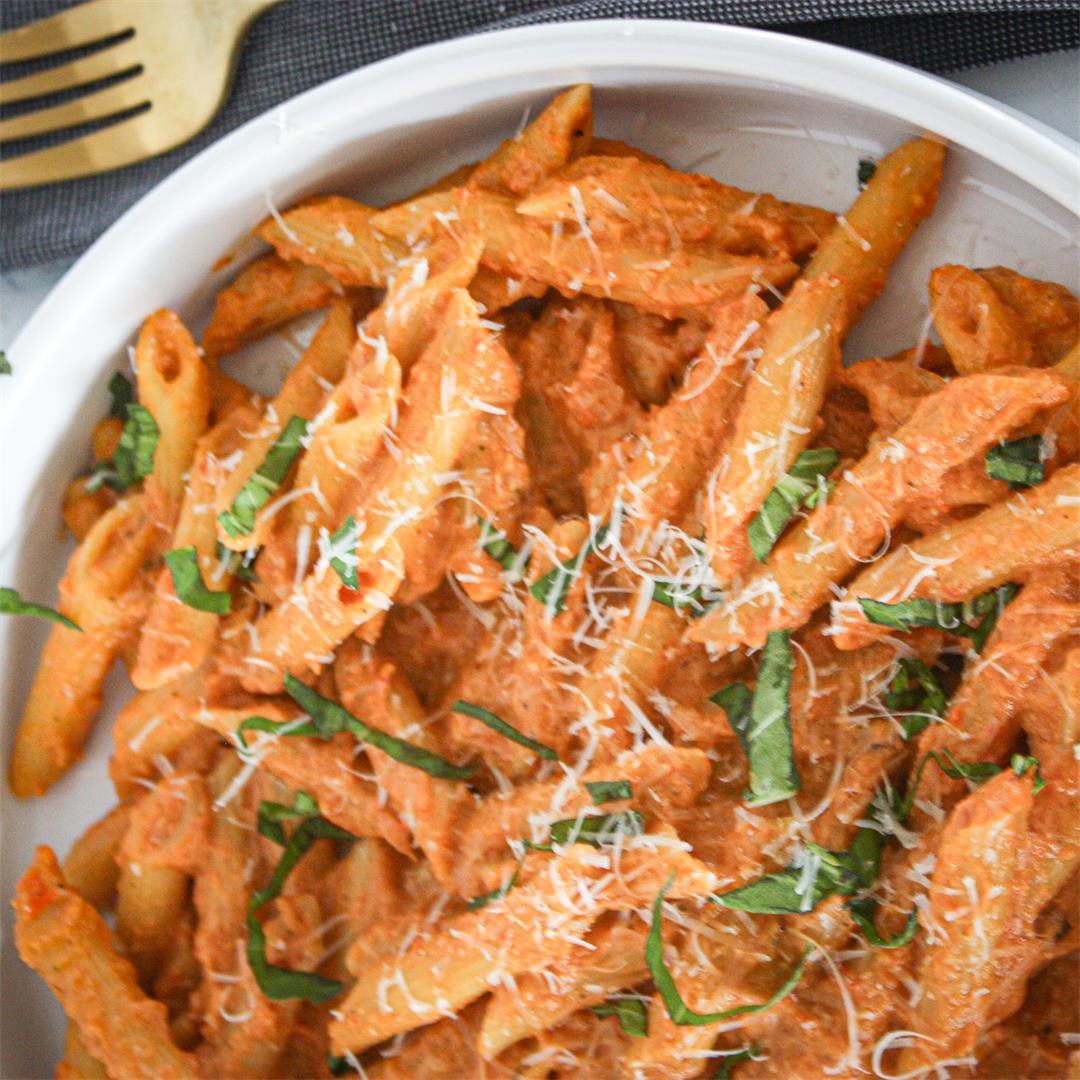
(179, 57)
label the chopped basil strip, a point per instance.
(5, 364)
(597, 831)
(691, 602)
(978, 772)
(183, 564)
(762, 722)
(973, 619)
(915, 690)
(677, 1009)
(1019, 463)
(993, 604)
(731, 1060)
(500, 892)
(278, 983)
(11, 603)
(338, 1066)
(552, 589)
(344, 540)
(263, 723)
(496, 723)
(863, 912)
(602, 791)
(328, 718)
(792, 490)
(1020, 764)
(866, 170)
(494, 543)
(272, 814)
(239, 519)
(122, 394)
(134, 457)
(631, 1013)
(796, 890)
(237, 563)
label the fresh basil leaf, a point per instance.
(239, 519)
(597, 831)
(328, 718)
(11, 603)
(773, 776)
(731, 1060)
(338, 1066)
(494, 543)
(281, 984)
(133, 460)
(237, 563)
(632, 1015)
(691, 603)
(995, 603)
(271, 814)
(864, 910)
(602, 791)
(863, 858)
(344, 540)
(776, 894)
(955, 618)
(677, 1009)
(915, 690)
(553, 588)
(262, 723)
(1019, 463)
(912, 613)
(978, 772)
(795, 890)
(183, 564)
(496, 723)
(500, 892)
(798, 484)
(5, 364)
(1020, 764)
(736, 700)
(121, 395)
(278, 983)
(866, 170)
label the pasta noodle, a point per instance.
(574, 669)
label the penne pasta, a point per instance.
(866, 240)
(63, 937)
(461, 370)
(1027, 529)
(267, 293)
(102, 591)
(174, 384)
(946, 429)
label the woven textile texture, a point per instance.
(304, 42)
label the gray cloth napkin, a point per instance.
(304, 42)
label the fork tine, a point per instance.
(110, 148)
(101, 65)
(69, 29)
(96, 106)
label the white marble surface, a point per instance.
(1044, 87)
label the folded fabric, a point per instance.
(302, 43)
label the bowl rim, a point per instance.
(1029, 150)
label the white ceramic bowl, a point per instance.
(763, 111)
